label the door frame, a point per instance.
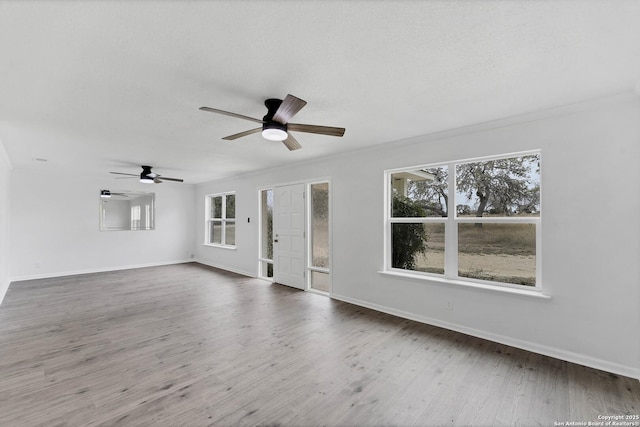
(307, 224)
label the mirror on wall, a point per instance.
(126, 210)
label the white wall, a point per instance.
(590, 233)
(55, 227)
(5, 173)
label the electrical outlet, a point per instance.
(449, 305)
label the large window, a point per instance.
(221, 220)
(472, 220)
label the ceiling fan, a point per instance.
(276, 126)
(106, 194)
(148, 177)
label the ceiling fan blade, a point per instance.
(289, 107)
(164, 178)
(121, 173)
(322, 130)
(241, 134)
(227, 113)
(291, 143)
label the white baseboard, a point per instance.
(95, 270)
(223, 267)
(568, 356)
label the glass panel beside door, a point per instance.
(319, 237)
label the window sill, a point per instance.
(233, 248)
(524, 292)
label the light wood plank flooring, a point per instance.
(191, 345)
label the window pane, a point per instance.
(499, 188)
(230, 233)
(320, 281)
(320, 225)
(216, 207)
(266, 269)
(498, 252)
(215, 232)
(231, 206)
(419, 193)
(266, 249)
(418, 247)
(270, 269)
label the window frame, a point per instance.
(223, 220)
(451, 228)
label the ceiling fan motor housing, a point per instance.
(271, 129)
(146, 175)
(274, 125)
(272, 105)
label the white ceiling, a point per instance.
(98, 86)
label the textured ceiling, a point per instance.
(98, 86)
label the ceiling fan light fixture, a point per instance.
(145, 179)
(274, 132)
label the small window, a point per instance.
(482, 224)
(221, 220)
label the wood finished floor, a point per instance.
(191, 345)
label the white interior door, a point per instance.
(289, 236)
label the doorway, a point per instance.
(295, 235)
